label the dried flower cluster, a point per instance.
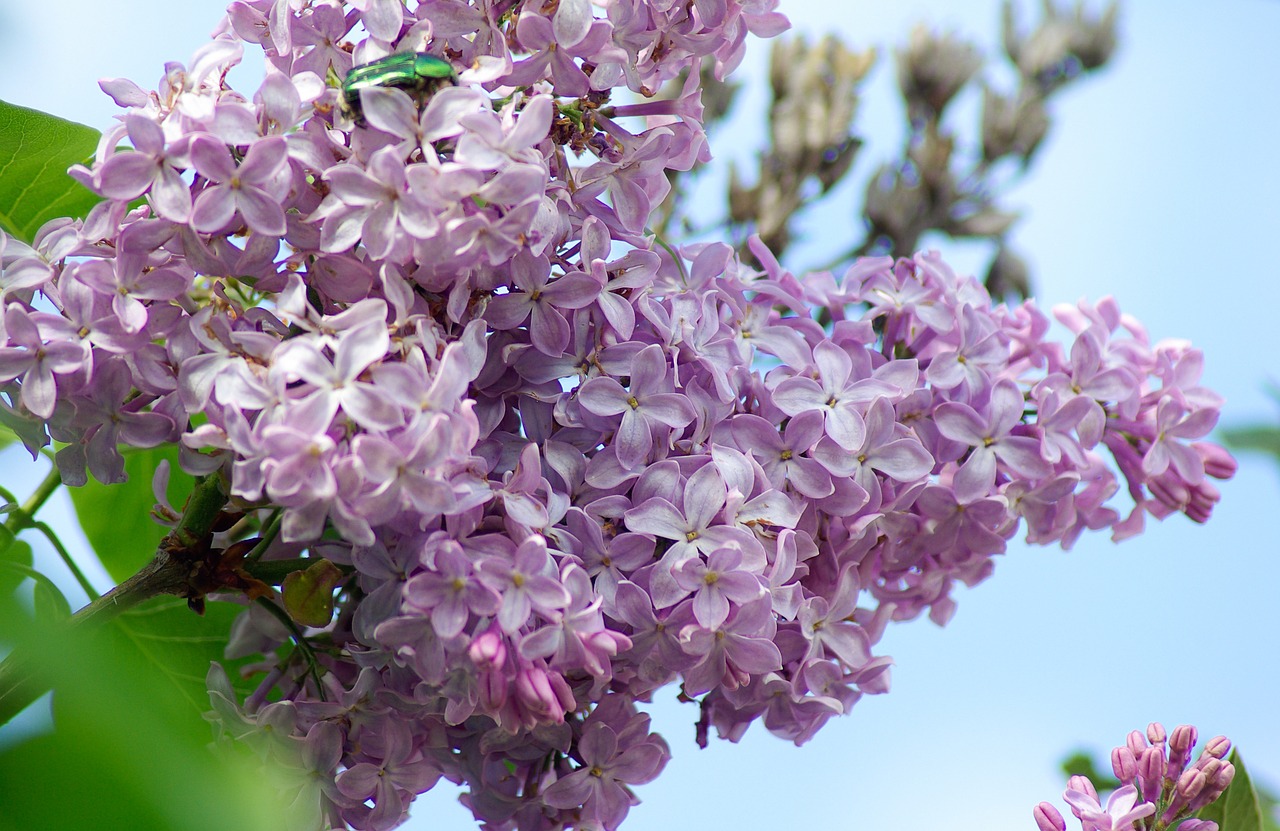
(942, 181)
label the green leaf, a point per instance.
(1267, 801)
(308, 595)
(127, 750)
(15, 558)
(35, 151)
(117, 518)
(1237, 809)
(51, 605)
(1259, 438)
(1080, 763)
(178, 644)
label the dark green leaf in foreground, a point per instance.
(15, 559)
(117, 518)
(1238, 808)
(127, 750)
(35, 151)
(178, 645)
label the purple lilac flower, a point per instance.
(253, 189)
(648, 407)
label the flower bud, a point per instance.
(1209, 766)
(1182, 740)
(1155, 733)
(894, 204)
(1084, 785)
(488, 650)
(1200, 506)
(1214, 787)
(1218, 463)
(1124, 765)
(1093, 41)
(1170, 491)
(1151, 770)
(1137, 743)
(535, 693)
(564, 695)
(1218, 785)
(1190, 784)
(1048, 818)
(1218, 747)
(1198, 825)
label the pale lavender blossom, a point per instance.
(610, 762)
(990, 435)
(252, 190)
(840, 395)
(526, 582)
(147, 169)
(648, 407)
(717, 583)
(451, 591)
(38, 363)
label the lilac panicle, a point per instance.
(562, 465)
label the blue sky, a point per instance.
(1157, 185)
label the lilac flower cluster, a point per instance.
(1160, 787)
(564, 465)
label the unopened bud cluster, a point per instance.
(1160, 786)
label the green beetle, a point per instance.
(414, 72)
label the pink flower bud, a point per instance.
(1084, 786)
(1170, 491)
(1181, 742)
(1216, 784)
(488, 651)
(1198, 825)
(1183, 739)
(534, 692)
(1200, 506)
(1151, 772)
(1124, 765)
(1218, 463)
(564, 695)
(1155, 732)
(1048, 818)
(1191, 783)
(1218, 747)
